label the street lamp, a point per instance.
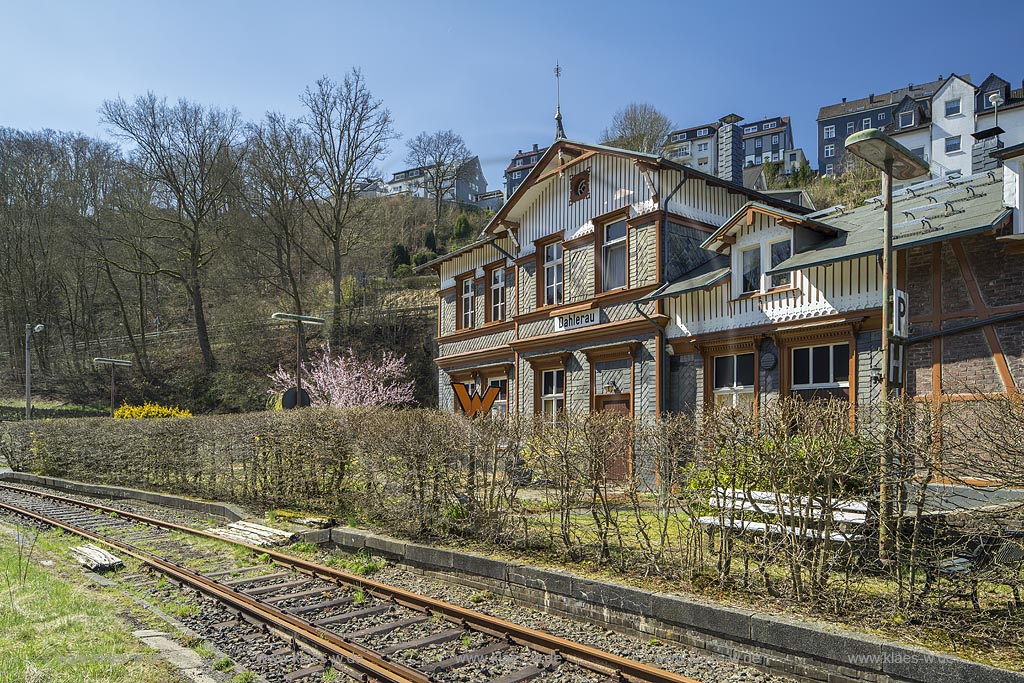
(113, 363)
(28, 366)
(895, 161)
(298, 320)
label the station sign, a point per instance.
(574, 321)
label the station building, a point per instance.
(618, 281)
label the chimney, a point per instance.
(535, 147)
(844, 100)
(939, 78)
(871, 98)
(730, 149)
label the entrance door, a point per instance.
(619, 460)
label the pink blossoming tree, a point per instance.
(344, 380)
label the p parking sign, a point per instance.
(900, 314)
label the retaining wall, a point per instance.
(814, 651)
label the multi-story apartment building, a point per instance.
(627, 282)
(766, 140)
(696, 147)
(469, 182)
(520, 166)
(836, 122)
(949, 122)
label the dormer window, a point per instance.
(613, 256)
(906, 119)
(702, 132)
(749, 267)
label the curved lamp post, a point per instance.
(29, 329)
(895, 161)
(298, 320)
(113, 363)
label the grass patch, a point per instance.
(362, 563)
(224, 664)
(56, 626)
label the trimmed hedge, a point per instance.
(267, 459)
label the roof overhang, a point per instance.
(722, 238)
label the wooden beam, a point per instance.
(562, 167)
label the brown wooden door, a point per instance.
(619, 461)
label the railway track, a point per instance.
(365, 629)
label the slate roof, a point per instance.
(706, 275)
(885, 99)
(926, 212)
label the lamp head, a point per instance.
(996, 99)
(39, 328)
(880, 150)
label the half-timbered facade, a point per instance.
(624, 282)
(551, 303)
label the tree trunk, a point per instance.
(202, 333)
(336, 292)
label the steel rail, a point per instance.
(594, 659)
(365, 662)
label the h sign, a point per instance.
(900, 314)
(474, 404)
(896, 361)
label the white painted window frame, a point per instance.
(831, 384)
(468, 310)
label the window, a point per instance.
(821, 366)
(516, 175)
(830, 151)
(499, 408)
(906, 119)
(678, 136)
(750, 129)
(497, 294)
(702, 147)
(830, 132)
(702, 132)
(613, 256)
(734, 380)
(828, 169)
(881, 116)
(866, 123)
(918, 152)
(775, 139)
(684, 149)
(779, 252)
(750, 262)
(553, 274)
(757, 143)
(769, 126)
(552, 393)
(850, 127)
(702, 162)
(953, 107)
(952, 144)
(467, 302)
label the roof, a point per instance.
(782, 121)
(751, 174)
(884, 100)
(1009, 152)
(704, 276)
(922, 213)
(717, 240)
(693, 129)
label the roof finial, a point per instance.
(559, 131)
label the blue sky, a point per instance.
(484, 68)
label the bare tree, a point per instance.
(639, 127)
(191, 152)
(442, 157)
(280, 157)
(351, 132)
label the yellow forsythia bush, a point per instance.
(149, 410)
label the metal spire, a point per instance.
(559, 131)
